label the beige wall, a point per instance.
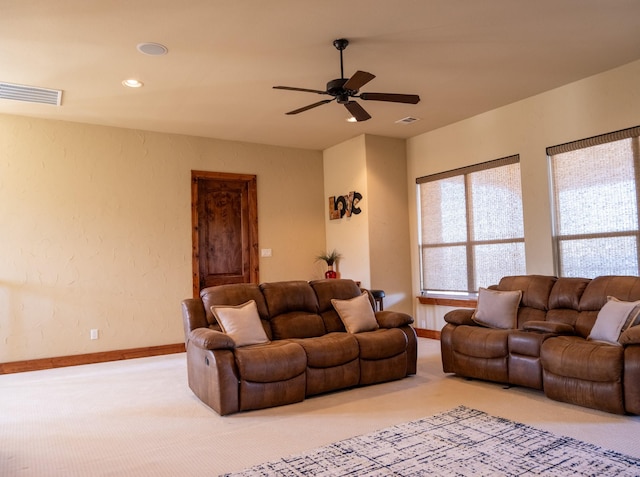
(345, 170)
(606, 102)
(374, 243)
(95, 221)
(96, 230)
(389, 242)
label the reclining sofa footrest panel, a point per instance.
(212, 376)
(604, 396)
(632, 379)
(487, 369)
(322, 380)
(263, 395)
(383, 370)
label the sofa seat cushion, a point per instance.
(272, 362)
(381, 344)
(333, 349)
(480, 342)
(575, 357)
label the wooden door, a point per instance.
(225, 229)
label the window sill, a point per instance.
(448, 301)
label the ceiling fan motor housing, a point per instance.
(335, 88)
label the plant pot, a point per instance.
(330, 273)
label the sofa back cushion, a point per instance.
(595, 296)
(567, 292)
(232, 295)
(328, 289)
(564, 300)
(535, 295)
(293, 310)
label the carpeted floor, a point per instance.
(460, 442)
(139, 418)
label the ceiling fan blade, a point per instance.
(311, 106)
(358, 80)
(394, 98)
(291, 88)
(357, 111)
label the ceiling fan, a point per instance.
(344, 89)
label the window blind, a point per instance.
(471, 226)
(595, 205)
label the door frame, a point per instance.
(254, 257)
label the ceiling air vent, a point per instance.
(30, 94)
(407, 120)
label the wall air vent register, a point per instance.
(30, 94)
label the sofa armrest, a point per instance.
(393, 319)
(210, 339)
(461, 316)
(630, 336)
(193, 315)
(549, 327)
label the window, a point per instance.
(471, 227)
(595, 195)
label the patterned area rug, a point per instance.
(461, 442)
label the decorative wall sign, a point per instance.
(344, 205)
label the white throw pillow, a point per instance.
(613, 318)
(497, 308)
(356, 313)
(241, 322)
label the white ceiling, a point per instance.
(463, 57)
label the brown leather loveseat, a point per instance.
(577, 339)
(298, 345)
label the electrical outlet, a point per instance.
(94, 334)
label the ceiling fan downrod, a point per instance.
(340, 45)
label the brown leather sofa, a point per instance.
(308, 350)
(550, 348)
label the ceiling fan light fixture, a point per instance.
(133, 83)
(351, 119)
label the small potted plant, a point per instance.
(330, 258)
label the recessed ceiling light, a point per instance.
(133, 83)
(152, 49)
